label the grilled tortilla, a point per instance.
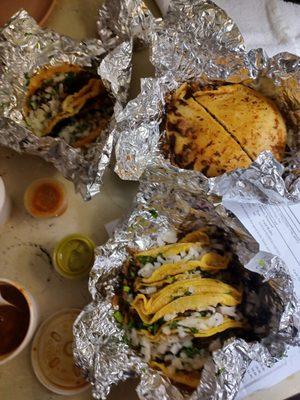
(254, 121)
(218, 130)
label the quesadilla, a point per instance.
(216, 130)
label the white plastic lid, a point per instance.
(52, 355)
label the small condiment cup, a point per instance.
(33, 321)
(45, 198)
(73, 256)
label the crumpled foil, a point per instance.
(167, 200)
(24, 48)
(123, 20)
(197, 40)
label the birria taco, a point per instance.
(178, 302)
(67, 101)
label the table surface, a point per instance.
(26, 243)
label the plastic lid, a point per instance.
(52, 354)
(45, 198)
(73, 256)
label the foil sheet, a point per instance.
(178, 201)
(123, 20)
(197, 40)
(24, 48)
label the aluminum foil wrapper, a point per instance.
(125, 20)
(167, 200)
(24, 48)
(198, 41)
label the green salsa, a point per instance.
(74, 256)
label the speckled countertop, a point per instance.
(26, 244)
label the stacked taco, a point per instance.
(67, 101)
(179, 302)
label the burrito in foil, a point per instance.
(180, 302)
(67, 101)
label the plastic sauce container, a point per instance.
(5, 204)
(45, 198)
(73, 256)
(52, 355)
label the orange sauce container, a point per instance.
(45, 198)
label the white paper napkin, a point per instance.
(273, 25)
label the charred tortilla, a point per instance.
(218, 130)
(253, 120)
(197, 141)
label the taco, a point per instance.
(175, 307)
(194, 288)
(59, 97)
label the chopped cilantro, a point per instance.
(173, 325)
(154, 213)
(118, 316)
(203, 313)
(191, 352)
(171, 279)
(153, 328)
(32, 104)
(146, 259)
(132, 273)
(186, 293)
(192, 329)
(126, 289)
